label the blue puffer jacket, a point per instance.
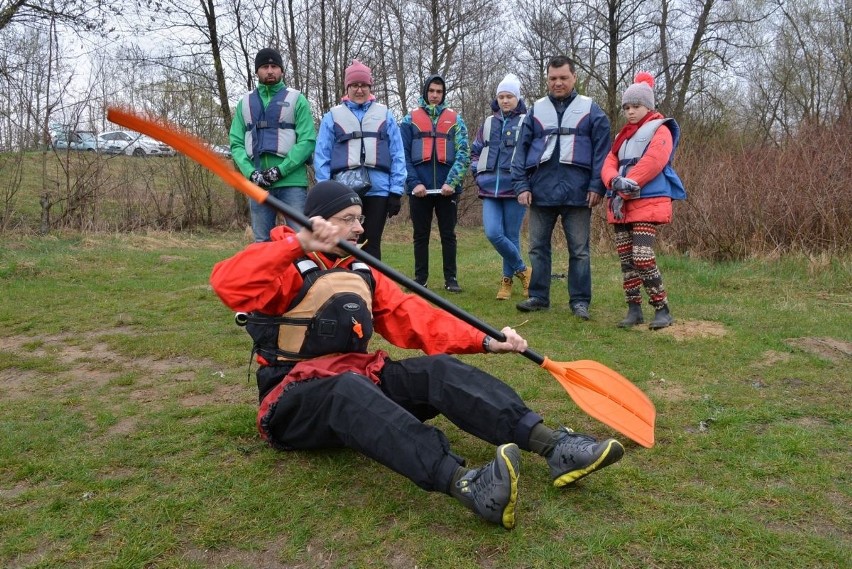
(497, 182)
(553, 183)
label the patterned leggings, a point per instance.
(635, 245)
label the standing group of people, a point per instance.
(311, 309)
(553, 159)
(360, 145)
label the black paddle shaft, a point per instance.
(403, 280)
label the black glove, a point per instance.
(258, 179)
(626, 187)
(393, 204)
(271, 175)
(615, 205)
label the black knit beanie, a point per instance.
(328, 197)
(267, 55)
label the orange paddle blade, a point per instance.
(190, 146)
(607, 396)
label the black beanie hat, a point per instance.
(328, 197)
(267, 55)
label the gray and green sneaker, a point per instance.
(492, 491)
(576, 456)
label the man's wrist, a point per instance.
(486, 344)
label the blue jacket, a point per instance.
(383, 183)
(553, 183)
(496, 180)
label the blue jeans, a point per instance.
(576, 223)
(502, 219)
(263, 217)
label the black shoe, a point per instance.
(532, 304)
(452, 285)
(492, 491)
(662, 318)
(634, 316)
(576, 456)
(581, 311)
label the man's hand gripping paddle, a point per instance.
(598, 390)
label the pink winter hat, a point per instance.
(358, 73)
(641, 92)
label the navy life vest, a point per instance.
(499, 134)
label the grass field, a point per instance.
(127, 412)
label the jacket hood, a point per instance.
(433, 79)
(521, 109)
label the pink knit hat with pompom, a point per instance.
(641, 92)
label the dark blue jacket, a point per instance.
(553, 183)
(496, 181)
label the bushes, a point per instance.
(745, 198)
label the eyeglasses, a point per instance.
(351, 219)
(357, 86)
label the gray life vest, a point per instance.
(360, 143)
(574, 148)
(268, 131)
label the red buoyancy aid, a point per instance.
(433, 138)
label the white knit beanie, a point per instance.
(641, 92)
(510, 84)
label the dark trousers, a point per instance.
(385, 421)
(375, 210)
(445, 209)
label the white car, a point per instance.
(132, 144)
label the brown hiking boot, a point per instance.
(505, 292)
(525, 277)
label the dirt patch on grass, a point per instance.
(89, 362)
(14, 383)
(668, 391)
(690, 329)
(770, 358)
(824, 348)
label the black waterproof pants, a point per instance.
(385, 421)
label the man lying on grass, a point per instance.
(311, 313)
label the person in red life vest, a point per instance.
(491, 163)
(311, 311)
(641, 185)
(437, 155)
(272, 139)
(556, 171)
(359, 144)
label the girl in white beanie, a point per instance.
(642, 184)
(491, 162)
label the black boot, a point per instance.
(634, 315)
(662, 318)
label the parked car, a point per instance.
(221, 149)
(74, 140)
(132, 144)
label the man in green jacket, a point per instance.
(272, 138)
